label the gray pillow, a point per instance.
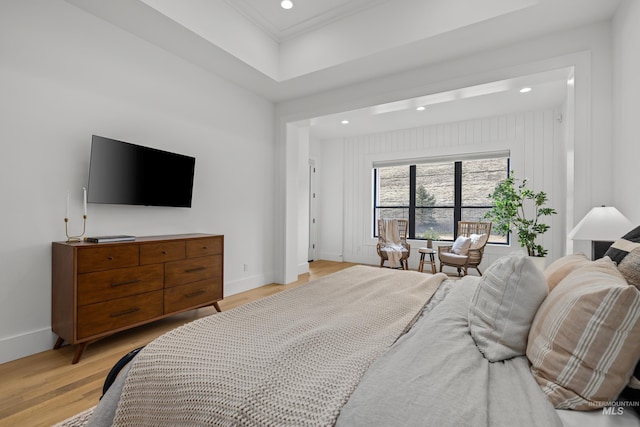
(504, 305)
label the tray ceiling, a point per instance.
(304, 16)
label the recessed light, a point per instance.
(420, 108)
(525, 90)
(345, 122)
(286, 4)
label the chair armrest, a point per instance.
(475, 255)
(444, 248)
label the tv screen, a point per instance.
(129, 174)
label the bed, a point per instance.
(375, 346)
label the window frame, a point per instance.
(458, 205)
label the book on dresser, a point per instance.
(107, 239)
(99, 289)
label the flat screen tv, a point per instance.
(129, 174)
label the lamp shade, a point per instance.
(603, 223)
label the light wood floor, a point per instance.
(45, 388)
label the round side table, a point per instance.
(432, 261)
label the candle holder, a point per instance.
(71, 239)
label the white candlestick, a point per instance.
(67, 213)
(84, 189)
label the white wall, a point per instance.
(626, 108)
(65, 75)
(534, 139)
(588, 49)
(220, 24)
(303, 199)
(331, 200)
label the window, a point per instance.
(435, 195)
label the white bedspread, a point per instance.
(435, 376)
(615, 417)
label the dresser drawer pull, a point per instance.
(194, 294)
(193, 270)
(125, 312)
(128, 282)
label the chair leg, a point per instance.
(480, 272)
(381, 262)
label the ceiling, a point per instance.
(325, 45)
(304, 16)
(548, 90)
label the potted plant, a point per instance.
(519, 208)
(430, 235)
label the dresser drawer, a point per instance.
(94, 319)
(192, 270)
(107, 257)
(204, 247)
(111, 284)
(152, 253)
(192, 295)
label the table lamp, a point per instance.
(602, 225)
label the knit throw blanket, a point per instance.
(390, 239)
(291, 359)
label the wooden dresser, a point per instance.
(102, 288)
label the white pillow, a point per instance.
(461, 245)
(504, 305)
(478, 240)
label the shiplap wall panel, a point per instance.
(531, 136)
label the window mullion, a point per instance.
(375, 202)
(412, 201)
(457, 198)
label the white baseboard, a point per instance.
(28, 343)
(19, 346)
(247, 283)
(328, 256)
(303, 268)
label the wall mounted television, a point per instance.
(129, 174)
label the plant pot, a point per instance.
(429, 243)
(539, 261)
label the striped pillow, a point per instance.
(585, 338)
(626, 253)
(560, 268)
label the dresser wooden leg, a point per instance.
(58, 343)
(79, 351)
(217, 307)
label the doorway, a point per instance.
(313, 226)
